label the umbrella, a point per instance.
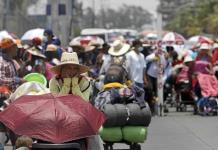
(173, 38)
(56, 119)
(152, 36)
(85, 40)
(199, 39)
(33, 33)
(6, 34)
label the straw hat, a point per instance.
(89, 48)
(69, 59)
(205, 46)
(215, 45)
(51, 48)
(119, 48)
(36, 52)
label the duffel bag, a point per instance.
(116, 115)
(138, 116)
(113, 134)
(134, 134)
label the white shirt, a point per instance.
(106, 63)
(153, 67)
(135, 66)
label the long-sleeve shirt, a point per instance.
(8, 74)
(80, 88)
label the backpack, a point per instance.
(116, 72)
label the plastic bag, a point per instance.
(29, 88)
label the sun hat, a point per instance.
(6, 43)
(18, 43)
(89, 48)
(188, 59)
(73, 43)
(69, 59)
(119, 48)
(36, 52)
(215, 45)
(205, 46)
(51, 48)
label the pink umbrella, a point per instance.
(85, 40)
(199, 39)
(173, 38)
(52, 118)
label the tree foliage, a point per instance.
(197, 19)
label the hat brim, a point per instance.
(122, 51)
(188, 60)
(35, 53)
(81, 48)
(57, 69)
(89, 48)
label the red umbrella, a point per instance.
(56, 119)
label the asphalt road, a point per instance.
(181, 131)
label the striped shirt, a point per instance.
(8, 74)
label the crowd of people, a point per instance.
(84, 70)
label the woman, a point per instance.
(203, 64)
(68, 79)
(51, 60)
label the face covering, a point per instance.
(140, 49)
(170, 59)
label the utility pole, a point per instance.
(6, 7)
(160, 68)
(93, 17)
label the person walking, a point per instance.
(136, 64)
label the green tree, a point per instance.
(197, 19)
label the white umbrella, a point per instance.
(199, 39)
(85, 40)
(33, 33)
(152, 36)
(5, 34)
(173, 38)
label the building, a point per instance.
(59, 15)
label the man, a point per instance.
(136, 70)
(116, 54)
(49, 38)
(8, 72)
(136, 64)
(114, 65)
